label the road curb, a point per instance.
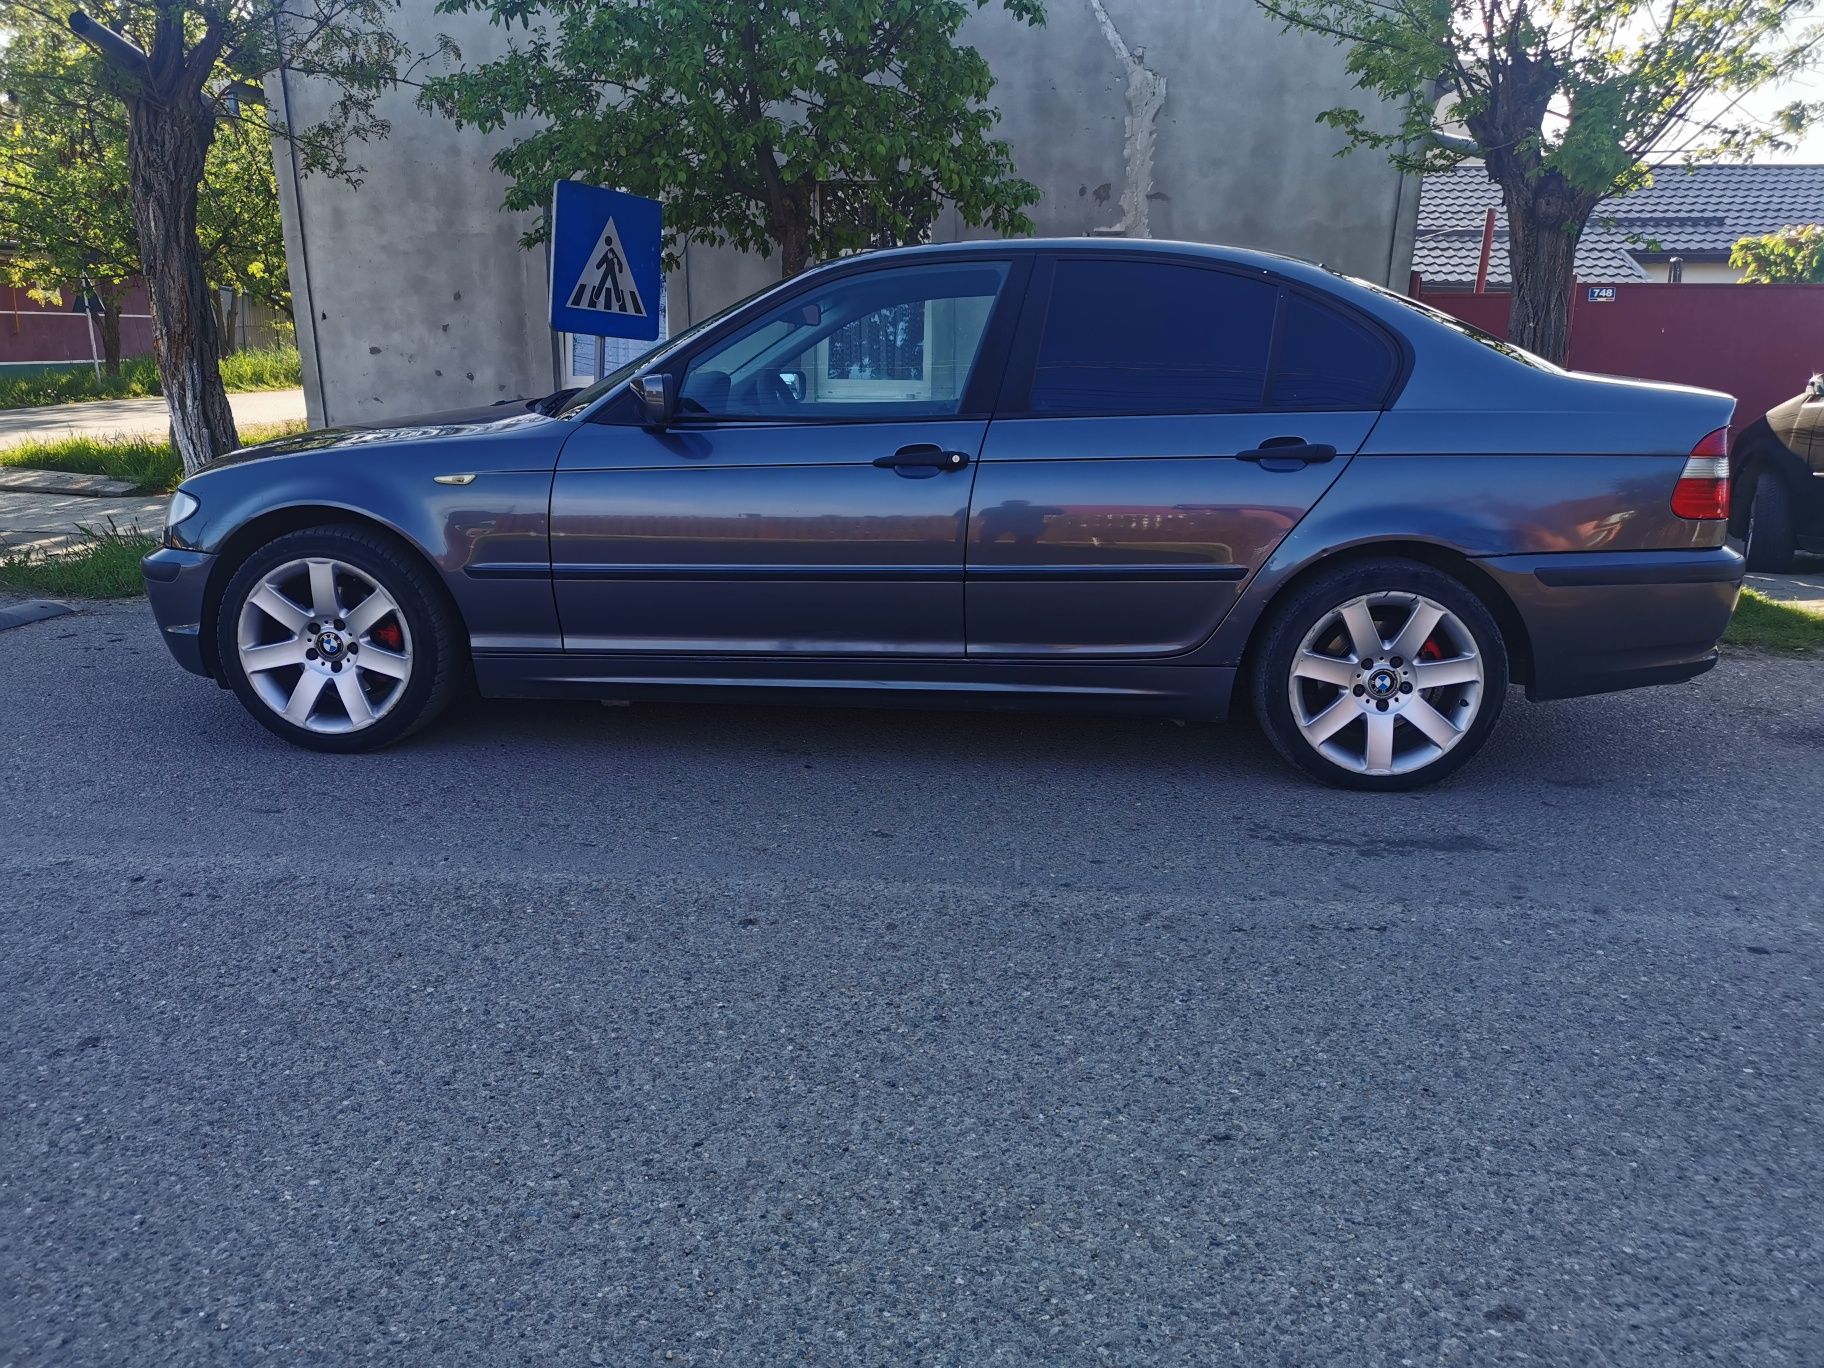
(32, 610)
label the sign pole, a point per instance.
(88, 316)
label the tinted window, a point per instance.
(1141, 337)
(897, 343)
(1328, 361)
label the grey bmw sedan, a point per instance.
(1046, 474)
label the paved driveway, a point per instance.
(717, 1035)
(132, 417)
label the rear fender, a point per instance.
(1473, 508)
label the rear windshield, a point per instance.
(1456, 325)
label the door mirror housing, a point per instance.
(656, 397)
(1816, 387)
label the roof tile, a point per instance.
(1696, 209)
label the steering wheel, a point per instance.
(774, 394)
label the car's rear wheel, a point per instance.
(1770, 531)
(1383, 674)
(338, 639)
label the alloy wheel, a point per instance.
(1386, 683)
(324, 645)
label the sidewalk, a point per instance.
(137, 417)
(44, 520)
(48, 522)
(1803, 587)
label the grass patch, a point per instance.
(1768, 625)
(256, 368)
(262, 368)
(105, 565)
(151, 463)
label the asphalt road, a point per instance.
(570, 1035)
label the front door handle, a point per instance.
(923, 459)
(1287, 453)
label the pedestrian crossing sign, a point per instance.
(605, 262)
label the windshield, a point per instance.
(1456, 325)
(583, 398)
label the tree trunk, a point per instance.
(166, 146)
(1544, 222)
(110, 338)
(794, 249)
(791, 227)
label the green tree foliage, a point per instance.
(1792, 256)
(1565, 102)
(808, 129)
(65, 188)
(63, 177)
(185, 73)
(237, 217)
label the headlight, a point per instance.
(183, 504)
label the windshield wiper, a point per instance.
(553, 401)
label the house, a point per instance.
(1679, 227)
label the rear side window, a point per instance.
(1328, 361)
(1142, 337)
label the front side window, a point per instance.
(1149, 337)
(895, 343)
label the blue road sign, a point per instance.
(605, 249)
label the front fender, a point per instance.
(488, 540)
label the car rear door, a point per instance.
(1164, 423)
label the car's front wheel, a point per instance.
(1382, 674)
(338, 639)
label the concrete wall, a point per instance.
(1188, 119)
(411, 291)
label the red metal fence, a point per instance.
(1757, 342)
(35, 332)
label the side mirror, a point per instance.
(1816, 386)
(656, 398)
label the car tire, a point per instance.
(1770, 530)
(339, 638)
(1338, 676)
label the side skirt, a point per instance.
(1192, 691)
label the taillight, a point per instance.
(1702, 490)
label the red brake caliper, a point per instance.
(389, 636)
(1431, 650)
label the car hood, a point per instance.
(466, 422)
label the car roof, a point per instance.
(1207, 251)
(1365, 295)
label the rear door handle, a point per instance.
(922, 459)
(1287, 453)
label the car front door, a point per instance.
(811, 496)
(1164, 425)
